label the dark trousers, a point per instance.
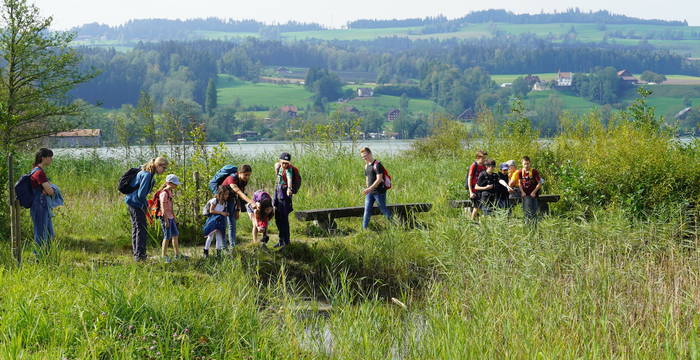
(530, 208)
(138, 232)
(283, 207)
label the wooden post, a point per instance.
(15, 234)
(195, 207)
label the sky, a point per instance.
(335, 13)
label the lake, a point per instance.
(250, 149)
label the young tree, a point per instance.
(210, 101)
(38, 69)
(147, 119)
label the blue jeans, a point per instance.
(369, 203)
(231, 220)
(169, 231)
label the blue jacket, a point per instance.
(55, 200)
(145, 182)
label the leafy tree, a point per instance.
(147, 120)
(39, 68)
(520, 87)
(650, 76)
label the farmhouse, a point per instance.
(564, 79)
(627, 77)
(365, 92)
(289, 110)
(467, 115)
(77, 138)
(393, 115)
(539, 86)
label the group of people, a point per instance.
(492, 188)
(489, 190)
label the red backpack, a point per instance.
(385, 175)
(296, 179)
(155, 210)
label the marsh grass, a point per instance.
(599, 283)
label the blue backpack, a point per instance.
(23, 190)
(220, 176)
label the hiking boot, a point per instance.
(265, 239)
(206, 253)
(279, 245)
(167, 259)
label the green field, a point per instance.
(229, 88)
(509, 78)
(570, 103)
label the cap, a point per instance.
(510, 162)
(285, 156)
(172, 178)
(504, 166)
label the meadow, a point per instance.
(611, 273)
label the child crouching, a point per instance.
(215, 226)
(260, 213)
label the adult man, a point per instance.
(375, 189)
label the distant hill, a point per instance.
(165, 29)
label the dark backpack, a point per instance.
(220, 176)
(126, 179)
(296, 179)
(24, 191)
(261, 195)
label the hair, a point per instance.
(365, 149)
(223, 189)
(480, 154)
(41, 154)
(245, 169)
(153, 163)
(526, 158)
(264, 205)
(490, 162)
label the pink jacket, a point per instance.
(166, 204)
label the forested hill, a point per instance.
(508, 17)
(165, 29)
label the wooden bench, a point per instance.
(325, 218)
(544, 201)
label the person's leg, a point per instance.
(231, 219)
(369, 203)
(284, 228)
(381, 203)
(219, 240)
(530, 208)
(142, 234)
(175, 235)
(166, 237)
(207, 244)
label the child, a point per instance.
(168, 223)
(237, 183)
(215, 226)
(504, 190)
(486, 187)
(260, 213)
(475, 169)
(284, 173)
(530, 184)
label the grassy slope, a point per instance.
(229, 88)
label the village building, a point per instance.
(365, 92)
(289, 110)
(539, 86)
(627, 77)
(393, 115)
(564, 79)
(467, 115)
(77, 138)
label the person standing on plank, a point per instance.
(375, 188)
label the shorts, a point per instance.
(170, 231)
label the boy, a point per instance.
(476, 168)
(238, 199)
(486, 187)
(504, 190)
(375, 189)
(530, 184)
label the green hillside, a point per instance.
(229, 88)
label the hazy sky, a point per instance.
(69, 13)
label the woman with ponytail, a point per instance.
(41, 216)
(136, 202)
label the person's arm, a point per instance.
(167, 206)
(240, 193)
(212, 210)
(376, 183)
(539, 185)
(48, 190)
(144, 187)
(289, 173)
(513, 180)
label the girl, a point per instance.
(136, 203)
(168, 223)
(215, 226)
(260, 213)
(41, 217)
(283, 197)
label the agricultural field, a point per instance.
(273, 95)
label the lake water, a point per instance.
(250, 149)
